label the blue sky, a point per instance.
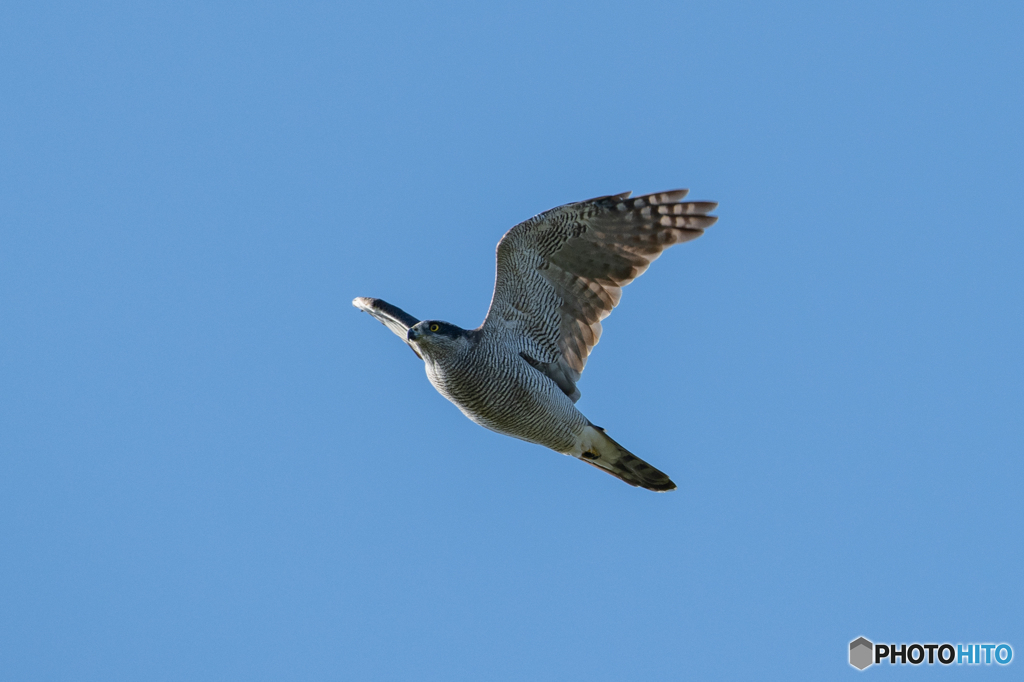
(213, 467)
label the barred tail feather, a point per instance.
(604, 453)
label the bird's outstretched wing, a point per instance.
(561, 272)
(391, 316)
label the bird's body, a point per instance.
(558, 275)
(498, 389)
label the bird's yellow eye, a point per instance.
(435, 327)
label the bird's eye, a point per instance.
(435, 327)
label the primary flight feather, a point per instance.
(559, 274)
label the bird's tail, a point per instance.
(604, 453)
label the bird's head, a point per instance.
(436, 338)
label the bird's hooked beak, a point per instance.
(411, 337)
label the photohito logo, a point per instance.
(863, 653)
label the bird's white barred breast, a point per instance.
(498, 389)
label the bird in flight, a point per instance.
(559, 274)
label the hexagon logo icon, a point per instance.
(861, 653)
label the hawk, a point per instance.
(558, 275)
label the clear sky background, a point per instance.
(213, 467)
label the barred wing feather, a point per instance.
(561, 272)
